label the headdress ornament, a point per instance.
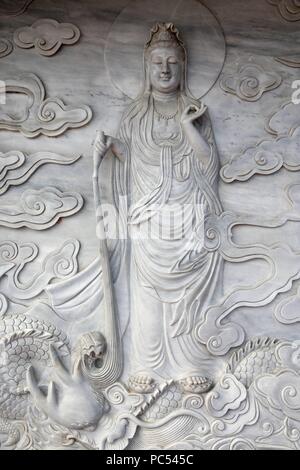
(163, 33)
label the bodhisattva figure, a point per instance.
(167, 168)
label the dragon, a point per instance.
(24, 341)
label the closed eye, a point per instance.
(157, 60)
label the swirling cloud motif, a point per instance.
(17, 167)
(250, 82)
(265, 158)
(3, 270)
(284, 121)
(289, 62)
(40, 209)
(234, 443)
(215, 329)
(6, 48)
(280, 393)
(47, 36)
(59, 264)
(288, 310)
(227, 395)
(288, 9)
(48, 117)
(20, 6)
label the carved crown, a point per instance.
(164, 34)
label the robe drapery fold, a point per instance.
(170, 277)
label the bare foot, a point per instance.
(196, 384)
(141, 384)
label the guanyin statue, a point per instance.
(163, 186)
(169, 175)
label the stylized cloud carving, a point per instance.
(20, 6)
(289, 62)
(40, 209)
(227, 395)
(288, 9)
(14, 257)
(280, 393)
(250, 81)
(17, 167)
(49, 117)
(46, 36)
(288, 310)
(6, 48)
(265, 158)
(284, 121)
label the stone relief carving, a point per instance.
(250, 81)
(287, 311)
(247, 394)
(60, 390)
(289, 62)
(267, 157)
(285, 121)
(46, 36)
(6, 47)
(19, 7)
(127, 40)
(219, 336)
(40, 209)
(17, 167)
(172, 145)
(40, 115)
(288, 9)
(14, 258)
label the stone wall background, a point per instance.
(78, 74)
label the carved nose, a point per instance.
(165, 69)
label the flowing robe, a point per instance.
(162, 195)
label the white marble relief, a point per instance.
(40, 115)
(250, 81)
(126, 39)
(285, 121)
(267, 157)
(248, 394)
(133, 350)
(288, 9)
(17, 167)
(16, 286)
(6, 47)
(40, 209)
(288, 310)
(18, 7)
(46, 36)
(293, 62)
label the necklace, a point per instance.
(166, 117)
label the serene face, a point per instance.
(165, 66)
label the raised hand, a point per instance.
(192, 113)
(101, 145)
(198, 143)
(69, 401)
